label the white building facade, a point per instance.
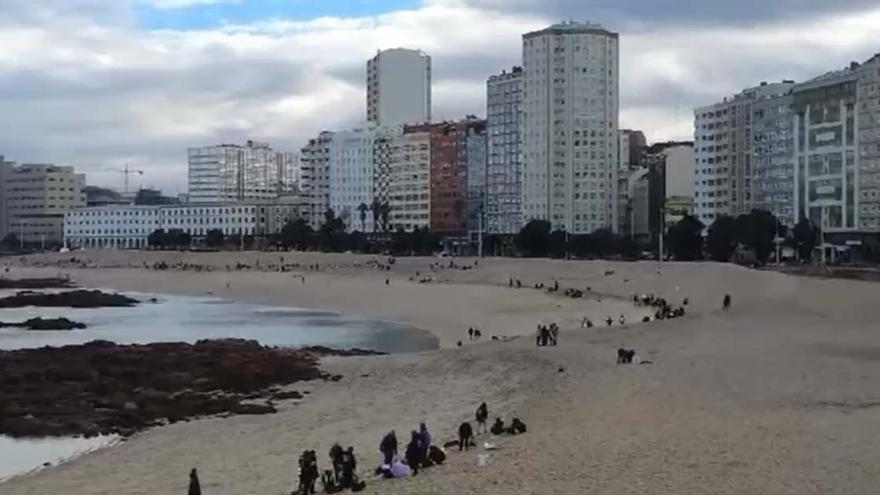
(129, 226)
(399, 87)
(504, 98)
(570, 127)
(315, 177)
(229, 173)
(352, 173)
(724, 137)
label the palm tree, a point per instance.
(362, 209)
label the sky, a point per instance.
(99, 84)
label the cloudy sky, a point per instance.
(102, 83)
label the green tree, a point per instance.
(331, 234)
(757, 231)
(158, 239)
(296, 234)
(11, 242)
(686, 239)
(362, 211)
(214, 238)
(721, 240)
(805, 235)
(534, 238)
(556, 244)
(177, 238)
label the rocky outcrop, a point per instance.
(36, 283)
(106, 388)
(46, 324)
(72, 299)
(329, 351)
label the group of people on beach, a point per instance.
(547, 335)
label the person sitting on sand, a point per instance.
(482, 416)
(388, 447)
(497, 427)
(195, 488)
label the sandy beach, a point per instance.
(778, 395)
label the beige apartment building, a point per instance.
(37, 198)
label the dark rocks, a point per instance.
(327, 351)
(293, 394)
(37, 283)
(254, 409)
(105, 388)
(46, 324)
(72, 299)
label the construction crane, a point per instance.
(126, 172)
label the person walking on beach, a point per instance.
(726, 302)
(195, 487)
(388, 447)
(465, 433)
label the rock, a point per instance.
(52, 324)
(73, 299)
(328, 351)
(293, 394)
(105, 388)
(254, 409)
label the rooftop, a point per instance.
(572, 27)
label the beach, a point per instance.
(778, 395)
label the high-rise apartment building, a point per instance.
(37, 198)
(723, 143)
(314, 174)
(773, 155)
(351, 172)
(449, 171)
(229, 173)
(399, 87)
(475, 152)
(632, 145)
(570, 124)
(408, 172)
(503, 204)
(5, 169)
(837, 151)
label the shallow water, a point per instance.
(22, 456)
(189, 318)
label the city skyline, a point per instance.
(128, 86)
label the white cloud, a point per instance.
(177, 4)
(85, 92)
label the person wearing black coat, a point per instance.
(195, 487)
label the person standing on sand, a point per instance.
(425, 439)
(726, 302)
(195, 487)
(388, 447)
(482, 416)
